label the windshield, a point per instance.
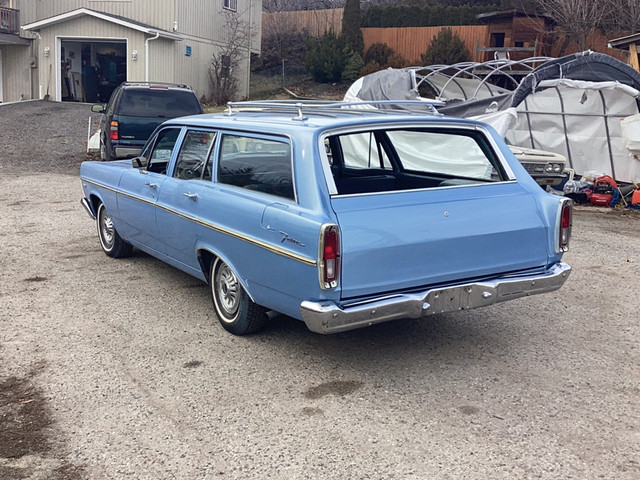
(159, 103)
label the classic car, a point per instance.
(340, 217)
(546, 168)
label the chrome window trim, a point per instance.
(217, 228)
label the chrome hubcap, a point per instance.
(106, 227)
(228, 289)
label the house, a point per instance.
(80, 50)
(631, 44)
(515, 35)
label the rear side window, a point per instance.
(160, 103)
(258, 164)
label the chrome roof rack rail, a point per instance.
(327, 106)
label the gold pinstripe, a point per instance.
(279, 251)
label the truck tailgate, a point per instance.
(404, 240)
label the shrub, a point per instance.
(445, 48)
(378, 52)
(325, 58)
(370, 67)
(353, 65)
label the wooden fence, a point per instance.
(410, 42)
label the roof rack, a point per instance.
(163, 84)
(327, 106)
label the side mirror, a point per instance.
(139, 162)
(98, 108)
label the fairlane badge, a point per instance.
(287, 238)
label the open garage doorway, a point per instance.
(90, 69)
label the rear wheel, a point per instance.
(237, 313)
(104, 153)
(110, 241)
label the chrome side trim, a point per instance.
(217, 228)
(330, 317)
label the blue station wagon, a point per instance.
(339, 217)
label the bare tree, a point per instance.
(223, 69)
(622, 17)
(578, 18)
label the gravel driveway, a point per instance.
(114, 369)
(44, 137)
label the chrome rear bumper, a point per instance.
(329, 317)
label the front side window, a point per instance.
(258, 164)
(230, 4)
(161, 150)
(192, 159)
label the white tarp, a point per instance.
(582, 121)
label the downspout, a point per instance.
(249, 50)
(36, 55)
(146, 55)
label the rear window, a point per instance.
(158, 103)
(408, 159)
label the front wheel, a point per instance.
(237, 313)
(110, 241)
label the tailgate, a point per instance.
(136, 130)
(403, 240)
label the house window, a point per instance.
(230, 4)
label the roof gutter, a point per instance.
(146, 55)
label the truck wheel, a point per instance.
(237, 313)
(110, 241)
(104, 153)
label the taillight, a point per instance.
(329, 256)
(113, 131)
(564, 227)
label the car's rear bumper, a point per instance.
(127, 152)
(329, 317)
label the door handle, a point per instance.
(191, 196)
(152, 185)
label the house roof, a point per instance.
(125, 22)
(623, 42)
(507, 14)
